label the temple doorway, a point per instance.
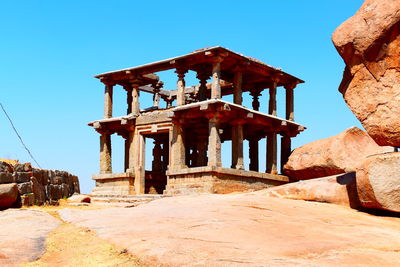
(155, 177)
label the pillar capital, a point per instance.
(108, 82)
(290, 86)
(181, 72)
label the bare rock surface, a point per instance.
(23, 234)
(79, 198)
(8, 195)
(336, 189)
(246, 230)
(333, 155)
(369, 43)
(378, 182)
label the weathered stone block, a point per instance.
(38, 191)
(5, 167)
(25, 188)
(65, 191)
(8, 195)
(6, 177)
(28, 199)
(53, 192)
(22, 167)
(56, 180)
(22, 177)
(39, 175)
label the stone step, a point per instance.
(126, 198)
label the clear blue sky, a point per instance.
(50, 51)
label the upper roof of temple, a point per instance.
(256, 74)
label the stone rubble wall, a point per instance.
(39, 186)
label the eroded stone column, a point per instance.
(214, 142)
(139, 163)
(272, 99)
(290, 102)
(156, 97)
(135, 105)
(253, 154)
(272, 153)
(237, 88)
(237, 147)
(131, 151)
(108, 100)
(202, 76)
(180, 97)
(157, 156)
(286, 149)
(105, 153)
(216, 79)
(178, 146)
(202, 154)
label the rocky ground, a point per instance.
(213, 230)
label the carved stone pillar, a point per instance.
(105, 152)
(202, 76)
(156, 97)
(237, 88)
(135, 105)
(272, 99)
(180, 98)
(157, 156)
(139, 147)
(216, 79)
(237, 147)
(253, 154)
(128, 99)
(132, 149)
(286, 149)
(165, 155)
(214, 142)
(202, 152)
(271, 153)
(178, 146)
(290, 101)
(256, 102)
(108, 100)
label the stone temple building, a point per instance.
(188, 131)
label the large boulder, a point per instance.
(378, 182)
(336, 189)
(334, 155)
(369, 43)
(8, 195)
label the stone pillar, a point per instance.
(237, 146)
(202, 76)
(214, 142)
(253, 154)
(129, 99)
(271, 153)
(132, 149)
(290, 102)
(108, 99)
(157, 156)
(202, 154)
(272, 99)
(178, 151)
(165, 155)
(216, 79)
(135, 105)
(256, 102)
(180, 97)
(139, 162)
(156, 98)
(126, 151)
(237, 88)
(286, 149)
(105, 153)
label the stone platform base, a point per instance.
(114, 184)
(219, 180)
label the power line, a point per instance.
(16, 132)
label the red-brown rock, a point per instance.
(8, 195)
(369, 43)
(334, 155)
(336, 189)
(378, 182)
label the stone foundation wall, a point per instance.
(38, 186)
